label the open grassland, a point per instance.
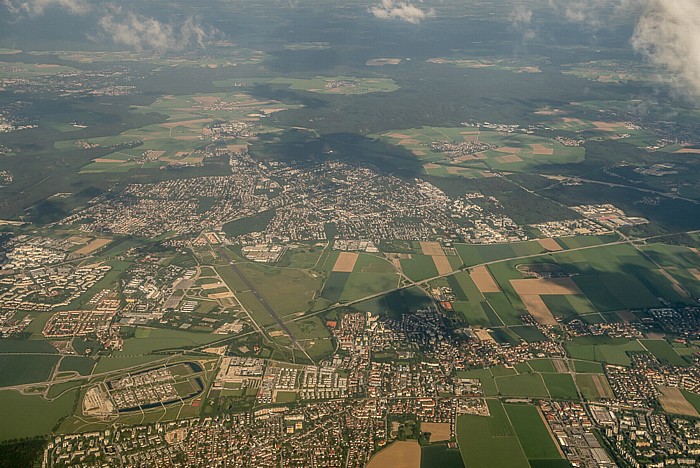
(25, 368)
(286, 291)
(31, 415)
(147, 340)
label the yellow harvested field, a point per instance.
(572, 120)
(196, 123)
(509, 159)
(470, 157)
(439, 432)
(442, 264)
(538, 309)
(92, 246)
(431, 248)
(78, 239)
(207, 100)
(398, 136)
(602, 387)
(237, 148)
(109, 160)
(695, 272)
(508, 150)
(221, 295)
(673, 401)
(674, 282)
(400, 454)
(345, 262)
(550, 245)
(382, 61)
(560, 366)
(483, 280)
(431, 166)
(208, 286)
(543, 286)
(688, 151)
(626, 316)
(539, 149)
(409, 142)
(609, 126)
(484, 335)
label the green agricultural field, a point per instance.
(373, 264)
(334, 286)
(419, 267)
(40, 346)
(522, 385)
(148, 340)
(25, 368)
(361, 285)
(32, 415)
(112, 363)
(81, 365)
(560, 386)
(532, 432)
(504, 336)
(530, 334)
(504, 309)
(568, 306)
(664, 352)
(477, 254)
(576, 242)
(542, 365)
(607, 351)
(693, 399)
(490, 441)
(476, 315)
(439, 456)
(589, 388)
(587, 367)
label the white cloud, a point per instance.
(521, 18)
(402, 10)
(667, 32)
(37, 7)
(144, 33)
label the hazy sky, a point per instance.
(667, 32)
